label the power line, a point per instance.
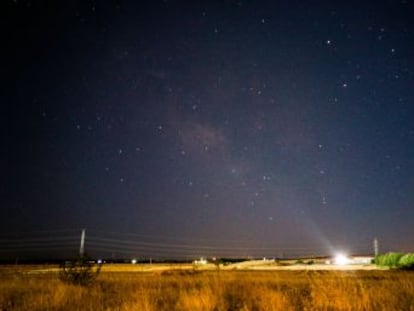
(154, 245)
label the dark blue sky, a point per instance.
(269, 124)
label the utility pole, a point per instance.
(375, 247)
(82, 243)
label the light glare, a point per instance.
(341, 259)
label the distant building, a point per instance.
(350, 260)
(201, 261)
(361, 260)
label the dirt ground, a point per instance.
(257, 265)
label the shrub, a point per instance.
(396, 260)
(389, 260)
(81, 271)
(407, 261)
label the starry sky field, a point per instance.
(244, 127)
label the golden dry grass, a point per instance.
(211, 290)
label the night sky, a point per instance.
(190, 128)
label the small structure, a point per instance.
(362, 260)
(201, 261)
(342, 260)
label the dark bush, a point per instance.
(81, 271)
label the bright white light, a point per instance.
(134, 261)
(341, 259)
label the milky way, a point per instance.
(245, 127)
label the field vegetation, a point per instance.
(396, 260)
(210, 290)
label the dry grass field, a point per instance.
(187, 289)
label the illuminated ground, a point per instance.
(246, 265)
